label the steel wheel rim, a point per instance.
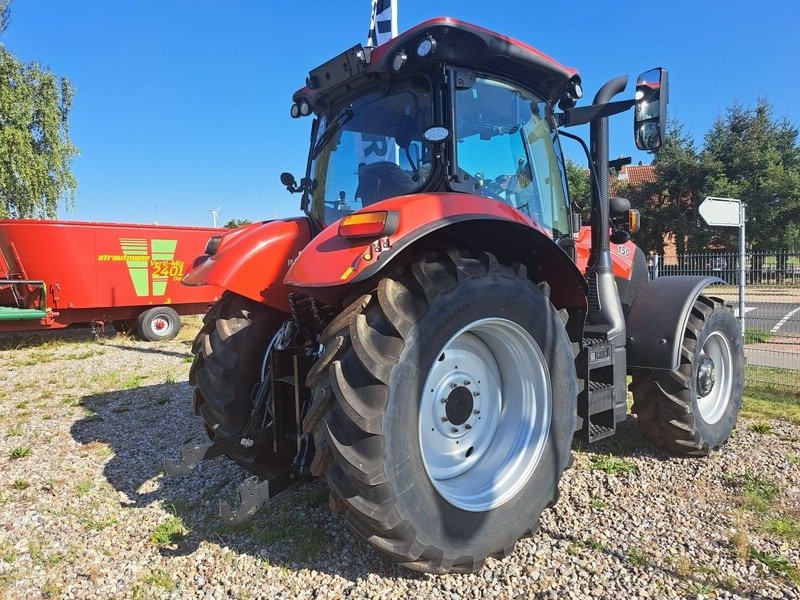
(499, 365)
(717, 349)
(161, 325)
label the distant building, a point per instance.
(637, 175)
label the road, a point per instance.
(779, 318)
(780, 323)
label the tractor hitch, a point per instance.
(252, 494)
(195, 451)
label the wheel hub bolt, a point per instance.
(476, 412)
(454, 430)
(454, 385)
(467, 426)
(444, 400)
(467, 382)
(476, 393)
(444, 419)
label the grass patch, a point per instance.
(83, 487)
(761, 427)
(598, 504)
(776, 564)
(772, 394)
(20, 452)
(133, 382)
(93, 524)
(638, 558)
(169, 532)
(794, 459)
(757, 336)
(759, 492)
(154, 584)
(698, 588)
(15, 431)
(785, 526)
(21, 484)
(612, 465)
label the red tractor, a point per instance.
(437, 328)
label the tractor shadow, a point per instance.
(138, 428)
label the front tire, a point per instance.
(229, 351)
(693, 410)
(460, 339)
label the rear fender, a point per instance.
(331, 268)
(657, 319)
(253, 261)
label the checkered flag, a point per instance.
(383, 23)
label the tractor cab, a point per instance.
(447, 106)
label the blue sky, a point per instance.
(183, 105)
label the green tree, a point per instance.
(578, 184)
(234, 223)
(35, 148)
(757, 160)
(669, 204)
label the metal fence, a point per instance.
(771, 308)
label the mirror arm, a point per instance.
(587, 114)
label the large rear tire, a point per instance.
(444, 408)
(229, 351)
(693, 410)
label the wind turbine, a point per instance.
(215, 214)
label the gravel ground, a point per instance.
(86, 511)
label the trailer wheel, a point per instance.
(444, 408)
(158, 323)
(228, 353)
(693, 410)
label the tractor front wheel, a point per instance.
(228, 365)
(693, 410)
(444, 407)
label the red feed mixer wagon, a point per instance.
(56, 273)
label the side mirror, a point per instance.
(650, 119)
(288, 180)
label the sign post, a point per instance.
(728, 212)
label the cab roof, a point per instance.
(458, 44)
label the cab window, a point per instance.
(505, 140)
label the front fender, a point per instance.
(254, 262)
(657, 319)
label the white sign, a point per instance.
(722, 212)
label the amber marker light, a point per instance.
(633, 220)
(368, 224)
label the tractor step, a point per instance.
(596, 400)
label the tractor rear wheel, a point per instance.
(443, 411)
(693, 410)
(228, 357)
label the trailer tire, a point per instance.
(421, 493)
(158, 324)
(228, 353)
(693, 410)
